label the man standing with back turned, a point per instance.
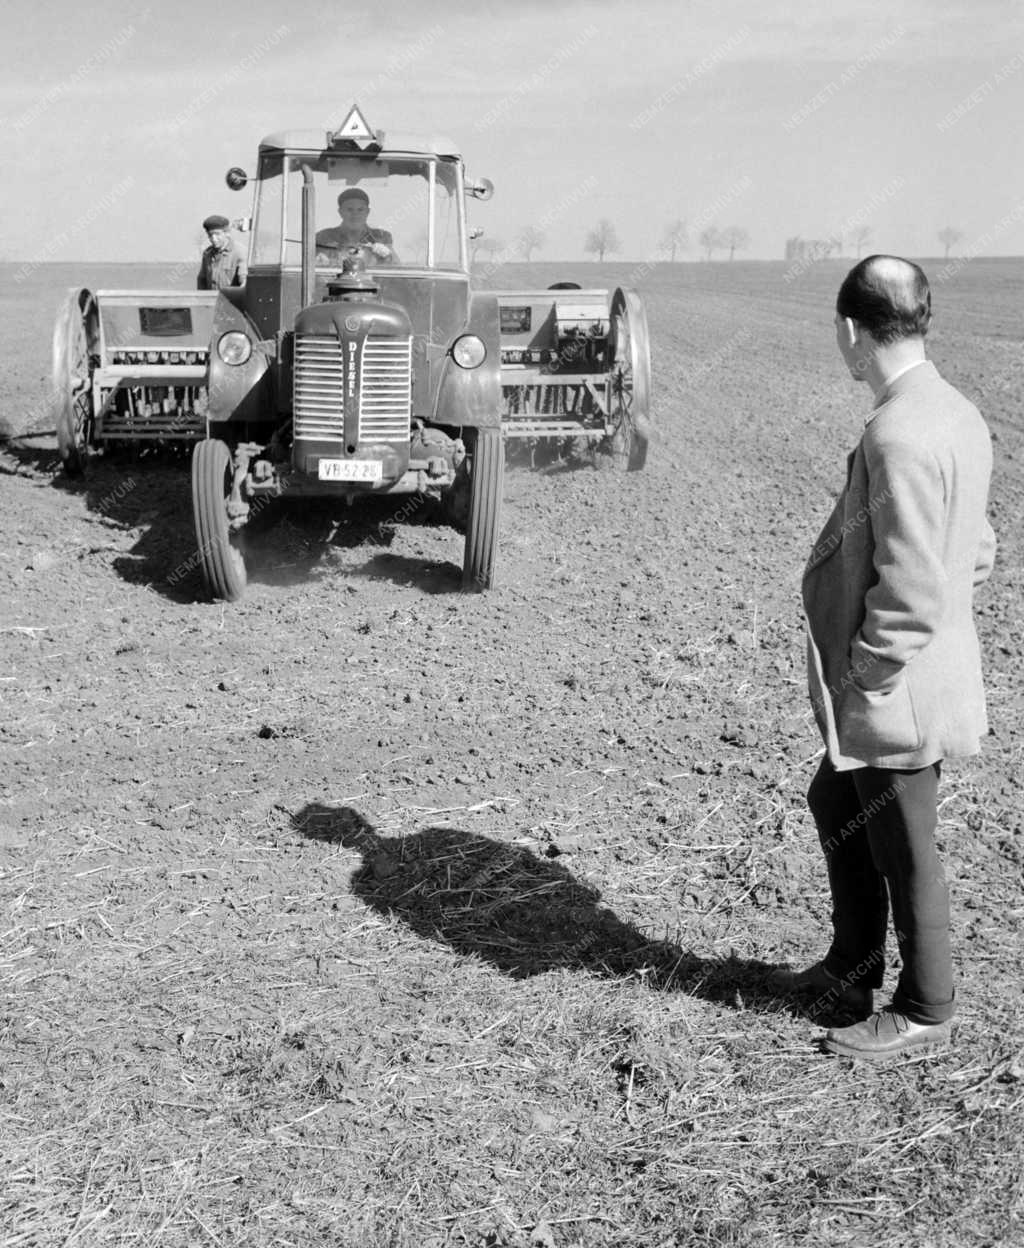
(893, 665)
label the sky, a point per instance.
(119, 118)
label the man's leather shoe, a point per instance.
(884, 1035)
(831, 993)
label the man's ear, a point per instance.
(851, 331)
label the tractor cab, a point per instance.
(414, 201)
(397, 203)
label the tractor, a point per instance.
(356, 359)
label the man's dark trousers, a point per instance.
(877, 831)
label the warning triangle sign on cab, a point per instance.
(355, 127)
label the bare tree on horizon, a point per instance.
(530, 240)
(860, 238)
(949, 236)
(675, 238)
(711, 240)
(735, 238)
(491, 245)
(601, 239)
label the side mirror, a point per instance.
(483, 189)
(236, 178)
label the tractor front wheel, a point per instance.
(487, 477)
(220, 559)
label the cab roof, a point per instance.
(394, 141)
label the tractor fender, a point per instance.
(472, 396)
(237, 392)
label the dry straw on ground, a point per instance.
(365, 915)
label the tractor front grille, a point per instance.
(385, 399)
(384, 388)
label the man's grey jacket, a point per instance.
(894, 666)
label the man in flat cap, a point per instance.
(354, 208)
(221, 264)
(894, 666)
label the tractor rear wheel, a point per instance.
(75, 358)
(220, 559)
(629, 368)
(487, 477)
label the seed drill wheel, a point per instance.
(221, 560)
(487, 476)
(629, 368)
(76, 345)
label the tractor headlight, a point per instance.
(234, 347)
(468, 351)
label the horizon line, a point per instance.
(635, 260)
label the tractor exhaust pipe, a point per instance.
(308, 237)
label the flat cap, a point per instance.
(353, 192)
(216, 222)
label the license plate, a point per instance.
(350, 469)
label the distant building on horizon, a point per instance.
(808, 250)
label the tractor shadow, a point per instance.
(308, 539)
(523, 914)
(139, 509)
(423, 574)
(139, 502)
(36, 454)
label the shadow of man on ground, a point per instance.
(523, 914)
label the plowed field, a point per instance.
(363, 912)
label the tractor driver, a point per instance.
(354, 208)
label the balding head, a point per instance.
(887, 296)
